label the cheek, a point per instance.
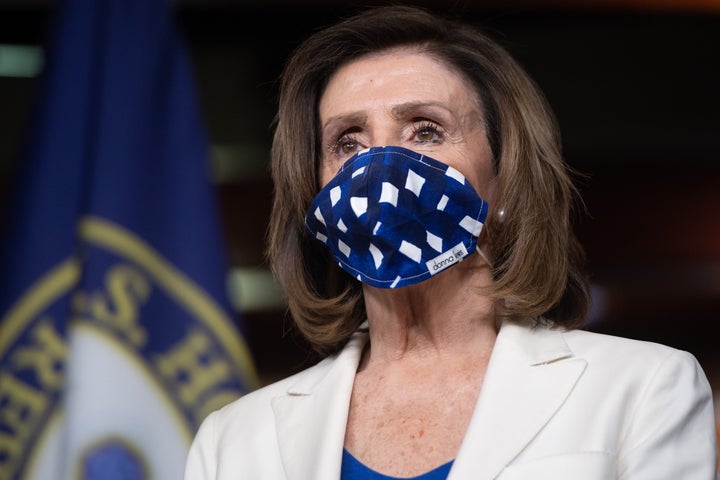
(486, 181)
(326, 173)
(481, 173)
(478, 173)
(488, 192)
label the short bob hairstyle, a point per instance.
(537, 261)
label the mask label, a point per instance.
(447, 259)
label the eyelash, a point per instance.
(342, 139)
(428, 125)
(346, 137)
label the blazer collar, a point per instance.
(530, 374)
(311, 418)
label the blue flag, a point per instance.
(116, 336)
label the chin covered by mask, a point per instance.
(392, 217)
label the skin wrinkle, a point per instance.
(357, 123)
(334, 125)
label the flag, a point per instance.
(116, 335)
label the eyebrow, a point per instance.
(354, 118)
(410, 107)
(401, 110)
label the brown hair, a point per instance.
(537, 261)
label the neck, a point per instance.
(444, 316)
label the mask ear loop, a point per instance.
(500, 218)
(484, 257)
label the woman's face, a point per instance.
(404, 98)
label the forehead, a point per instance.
(399, 75)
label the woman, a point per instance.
(421, 232)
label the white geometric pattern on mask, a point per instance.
(471, 225)
(335, 195)
(443, 203)
(389, 194)
(377, 255)
(411, 251)
(414, 183)
(359, 205)
(434, 241)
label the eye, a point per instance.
(427, 132)
(345, 146)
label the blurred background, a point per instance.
(634, 85)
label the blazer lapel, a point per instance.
(530, 374)
(311, 417)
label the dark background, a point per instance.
(635, 89)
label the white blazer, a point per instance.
(554, 405)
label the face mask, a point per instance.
(393, 217)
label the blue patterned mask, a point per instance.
(393, 217)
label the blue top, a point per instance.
(353, 469)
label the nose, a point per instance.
(383, 135)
